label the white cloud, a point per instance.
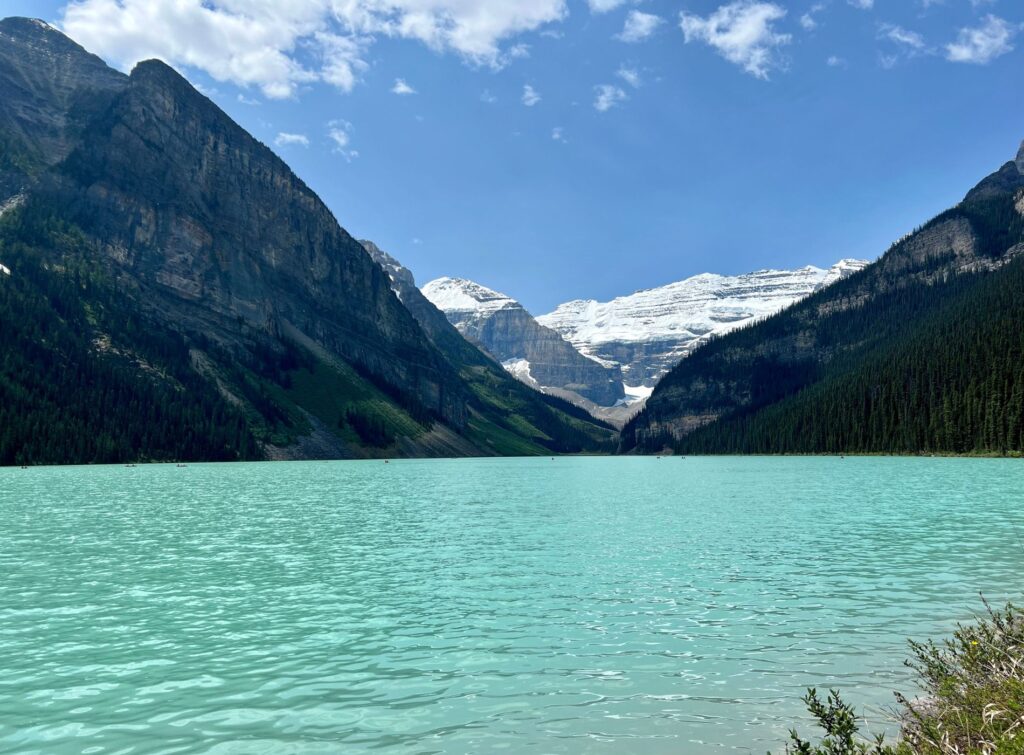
(284, 140)
(639, 26)
(809, 20)
(486, 96)
(558, 134)
(603, 6)
(862, 4)
(630, 75)
(982, 44)
(401, 87)
(742, 33)
(242, 99)
(834, 61)
(521, 50)
(281, 46)
(530, 96)
(608, 96)
(340, 132)
(901, 36)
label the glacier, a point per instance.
(647, 332)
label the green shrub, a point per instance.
(972, 701)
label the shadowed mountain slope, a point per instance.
(156, 205)
(918, 352)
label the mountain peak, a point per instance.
(461, 295)
(156, 72)
(1020, 159)
(649, 331)
(398, 272)
(28, 26)
(34, 37)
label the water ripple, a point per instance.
(583, 606)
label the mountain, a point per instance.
(536, 355)
(921, 351)
(184, 273)
(648, 332)
(50, 88)
(501, 406)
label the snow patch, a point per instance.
(520, 370)
(452, 295)
(842, 269)
(636, 396)
(11, 203)
(4, 269)
(637, 392)
(670, 319)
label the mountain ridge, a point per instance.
(536, 354)
(228, 275)
(650, 330)
(832, 373)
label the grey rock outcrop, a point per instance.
(50, 87)
(533, 353)
(218, 236)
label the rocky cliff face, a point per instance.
(50, 87)
(533, 353)
(432, 320)
(496, 395)
(759, 366)
(649, 332)
(195, 278)
(218, 236)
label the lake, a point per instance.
(575, 605)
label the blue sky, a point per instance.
(560, 149)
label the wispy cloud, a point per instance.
(809, 20)
(741, 32)
(982, 44)
(608, 96)
(862, 4)
(530, 96)
(639, 26)
(834, 61)
(558, 134)
(603, 6)
(340, 133)
(903, 37)
(630, 75)
(486, 96)
(284, 139)
(402, 87)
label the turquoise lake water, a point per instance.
(582, 605)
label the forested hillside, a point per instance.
(178, 293)
(920, 352)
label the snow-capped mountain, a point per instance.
(648, 332)
(536, 355)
